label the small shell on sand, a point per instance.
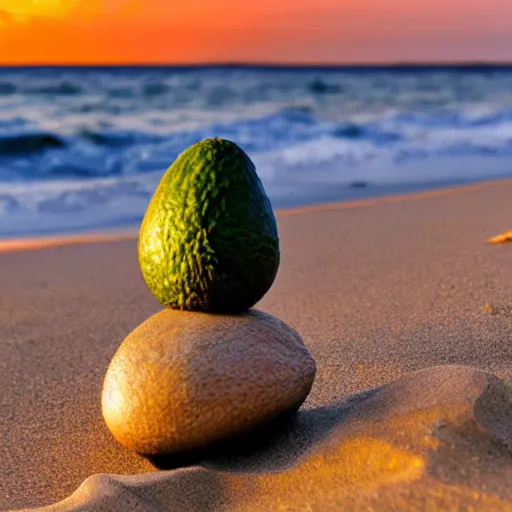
(437, 439)
(499, 239)
(183, 381)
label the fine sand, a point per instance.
(406, 310)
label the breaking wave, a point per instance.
(86, 148)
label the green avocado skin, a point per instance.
(208, 241)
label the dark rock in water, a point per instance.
(349, 131)
(359, 184)
(320, 87)
(29, 143)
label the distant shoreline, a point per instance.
(396, 66)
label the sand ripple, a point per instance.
(438, 439)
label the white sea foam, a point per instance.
(82, 149)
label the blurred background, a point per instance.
(332, 99)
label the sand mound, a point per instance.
(438, 439)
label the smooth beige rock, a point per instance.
(184, 380)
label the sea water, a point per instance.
(82, 149)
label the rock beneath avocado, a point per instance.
(184, 380)
(209, 241)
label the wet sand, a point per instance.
(379, 290)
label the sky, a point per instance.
(254, 31)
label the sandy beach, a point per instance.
(379, 290)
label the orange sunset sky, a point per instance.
(286, 31)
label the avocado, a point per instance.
(208, 241)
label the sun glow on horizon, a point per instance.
(293, 31)
(17, 11)
(23, 10)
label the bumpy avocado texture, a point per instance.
(208, 241)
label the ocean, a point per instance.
(82, 149)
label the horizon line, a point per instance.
(305, 65)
